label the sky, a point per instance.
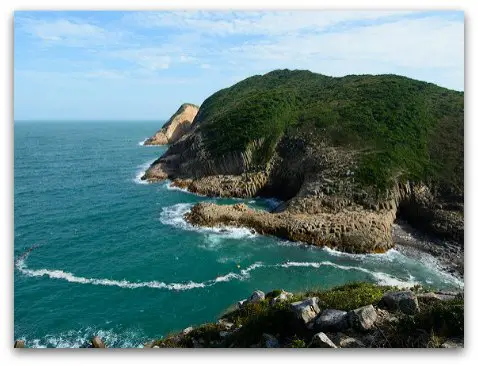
(113, 65)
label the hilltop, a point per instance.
(346, 154)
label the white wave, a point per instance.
(142, 169)
(70, 277)
(141, 143)
(174, 216)
(81, 338)
(379, 277)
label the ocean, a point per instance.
(99, 252)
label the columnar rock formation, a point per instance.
(176, 127)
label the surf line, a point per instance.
(20, 264)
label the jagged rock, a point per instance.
(320, 340)
(225, 324)
(283, 296)
(148, 345)
(332, 320)
(97, 342)
(19, 344)
(187, 330)
(156, 347)
(270, 341)
(405, 301)
(453, 343)
(176, 127)
(256, 296)
(306, 310)
(363, 318)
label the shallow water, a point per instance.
(116, 258)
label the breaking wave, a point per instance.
(141, 171)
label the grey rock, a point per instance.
(345, 341)
(405, 301)
(306, 311)
(225, 324)
(241, 303)
(320, 340)
(223, 334)
(436, 296)
(257, 296)
(363, 318)
(332, 320)
(187, 330)
(283, 296)
(155, 346)
(453, 343)
(270, 341)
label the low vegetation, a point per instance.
(403, 127)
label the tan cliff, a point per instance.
(178, 125)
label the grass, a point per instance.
(437, 321)
(409, 129)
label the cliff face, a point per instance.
(343, 172)
(176, 127)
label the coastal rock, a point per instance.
(320, 340)
(176, 127)
(345, 341)
(332, 320)
(283, 296)
(305, 311)
(97, 342)
(19, 344)
(404, 301)
(270, 341)
(257, 296)
(363, 318)
(453, 343)
(187, 330)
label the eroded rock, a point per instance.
(320, 340)
(404, 301)
(363, 318)
(306, 311)
(332, 320)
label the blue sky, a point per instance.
(143, 65)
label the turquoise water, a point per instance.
(115, 257)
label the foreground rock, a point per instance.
(300, 324)
(19, 344)
(176, 127)
(405, 301)
(320, 340)
(97, 342)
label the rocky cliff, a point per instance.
(176, 127)
(347, 155)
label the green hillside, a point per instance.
(403, 128)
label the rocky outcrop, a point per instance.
(352, 231)
(176, 127)
(300, 322)
(320, 179)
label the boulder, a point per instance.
(96, 342)
(430, 296)
(224, 334)
(363, 318)
(283, 296)
(225, 324)
(453, 343)
(241, 303)
(187, 330)
(257, 296)
(320, 340)
(19, 344)
(404, 301)
(270, 341)
(306, 310)
(345, 341)
(332, 320)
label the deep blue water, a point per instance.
(115, 257)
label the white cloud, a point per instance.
(205, 66)
(66, 32)
(264, 23)
(148, 58)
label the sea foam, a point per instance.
(142, 169)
